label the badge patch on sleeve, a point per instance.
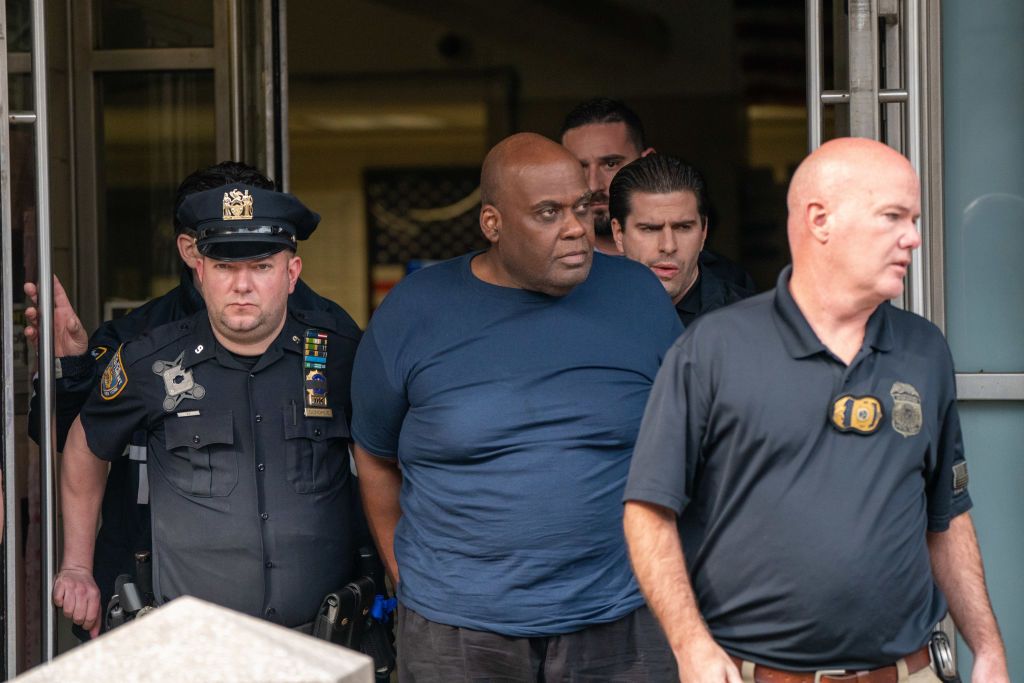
(858, 414)
(114, 378)
(960, 477)
(906, 409)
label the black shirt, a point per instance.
(125, 509)
(250, 496)
(707, 293)
(806, 545)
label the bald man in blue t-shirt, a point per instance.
(496, 400)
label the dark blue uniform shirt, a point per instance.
(250, 497)
(806, 545)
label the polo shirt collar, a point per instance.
(801, 341)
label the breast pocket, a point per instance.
(317, 452)
(203, 460)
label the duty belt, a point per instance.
(885, 674)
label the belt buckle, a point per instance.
(818, 675)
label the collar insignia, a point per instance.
(314, 375)
(857, 414)
(178, 382)
(237, 205)
(906, 409)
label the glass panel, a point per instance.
(982, 58)
(126, 24)
(993, 433)
(157, 127)
(19, 88)
(19, 25)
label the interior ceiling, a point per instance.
(628, 48)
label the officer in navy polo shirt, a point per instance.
(805, 446)
(245, 409)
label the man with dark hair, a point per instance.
(605, 135)
(797, 506)
(658, 207)
(494, 412)
(81, 360)
(243, 408)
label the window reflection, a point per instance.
(126, 24)
(157, 127)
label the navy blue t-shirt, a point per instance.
(513, 416)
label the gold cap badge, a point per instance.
(237, 205)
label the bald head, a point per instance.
(512, 156)
(838, 171)
(853, 209)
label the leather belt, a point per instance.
(885, 674)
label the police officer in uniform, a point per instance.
(81, 361)
(245, 410)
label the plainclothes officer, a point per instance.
(245, 407)
(659, 210)
(81, 359)
(808, 441)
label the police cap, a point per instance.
(238, 222)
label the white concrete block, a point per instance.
(192, 640)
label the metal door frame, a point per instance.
(224, 60)
(38, 118)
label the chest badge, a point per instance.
(857, 414)
(314, 375)
(178, 382)
(906, 409)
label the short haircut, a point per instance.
(655, 174)
(224, 173)
(606, 110)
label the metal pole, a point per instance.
(815, 117)
(11, 596)
(45, 284)
(919, 259)
(865, 120)
(235, 69)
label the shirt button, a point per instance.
(269, 564)
(260, 467)
(252, 375)
(196, 439)
(316, 432)
(259, 418)
(271, 611)
(264, 515)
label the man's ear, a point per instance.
(490, 223)
(294, 269)
(648, 152)
(617, 235)
(199, 265)
(187, 249)
(704, 237)
(818, 220)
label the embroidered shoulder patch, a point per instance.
(114, 379)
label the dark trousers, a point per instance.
(630, 650)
